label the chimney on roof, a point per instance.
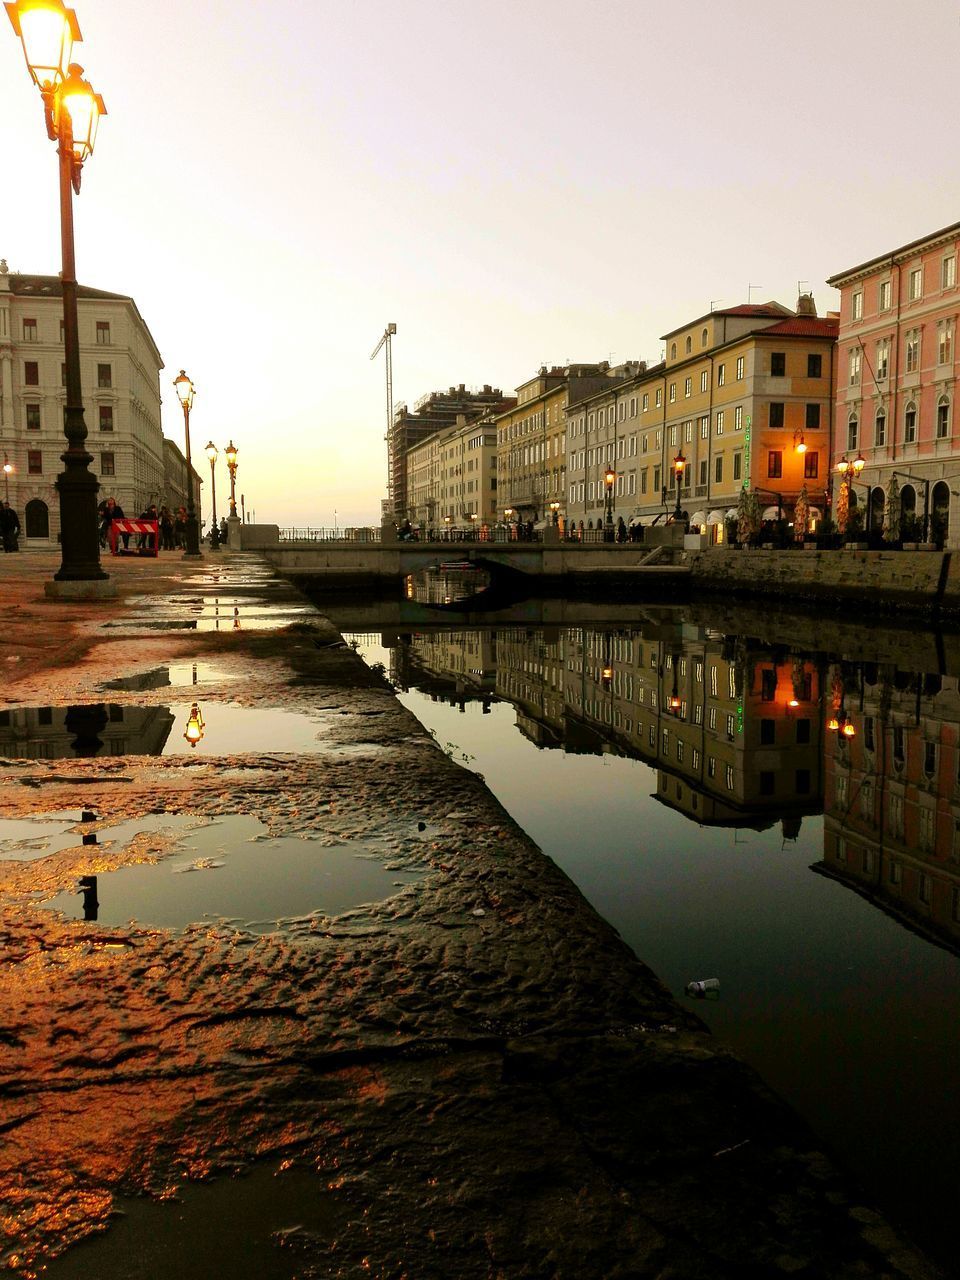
(487, 389)
(806, 305)
(461, 388)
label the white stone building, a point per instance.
(120, 374)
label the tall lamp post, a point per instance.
(7, 468)
(185, 393)
(231, 452)
(609, 480)
(679, 466)
(211, 452)
(48, 31)
(848, 470)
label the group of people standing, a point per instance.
(172, 526)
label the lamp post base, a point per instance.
(80, 589)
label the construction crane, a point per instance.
(385, 341)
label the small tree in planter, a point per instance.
(730, 531)
(854, 525)
(910, 527)
(938, 529)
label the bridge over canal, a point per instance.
(343, 561)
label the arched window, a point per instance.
(878, 501)
(853, 433)
(689, 345)
(910, 423)
(908, 500)
(673, 351)
(37, 519)
(703, 338)
(941, 512)
(880, 427)
(943, 418)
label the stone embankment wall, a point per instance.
(879, 581)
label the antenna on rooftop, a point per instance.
(750, 289)
(800, 288)
(714, 301)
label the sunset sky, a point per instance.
(511, 183)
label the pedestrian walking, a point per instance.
(9, 528)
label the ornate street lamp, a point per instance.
(679, 465)
(195, 726)
(609, 480)
(7, 468)
(555, 509)
(72, 111)
(211, 452)
(799, 443)
(231, 452)
(185, 392)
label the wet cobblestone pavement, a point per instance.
(470, 1076)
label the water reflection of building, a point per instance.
(892, 795)
(54, 733)
(734, 731)
(451, 666)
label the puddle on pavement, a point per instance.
(112, 729)
(175, 675)
(232, 870)
(227, 1227)
(26, 839)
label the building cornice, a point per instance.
(896, 256)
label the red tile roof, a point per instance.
(804, 327)
(758, 309)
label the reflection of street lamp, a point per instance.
(7, 468)
(231, 452)
(185, 393)
(842, 724)
(211, 452)
(674, 702)
(679, 465)
(195, 726)
(609, 479)
(47, 31)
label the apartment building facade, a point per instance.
(120, 372)
(532, 444)
(452, 476)
(430, 414)
(742, 399)
(896, 378)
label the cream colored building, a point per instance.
(120, 374)
(452, 476)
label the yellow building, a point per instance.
(748, 403)
(532, 440)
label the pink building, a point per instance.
(896, 380)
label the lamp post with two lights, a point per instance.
(72, 110)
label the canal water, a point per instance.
(776, 807)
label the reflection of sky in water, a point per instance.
(844, 1011)
(229, 729)
(232, 868)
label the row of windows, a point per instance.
(105, 417)
(31, 374)
(910, 425)
(911, 354)
(915, 284)
(31, 332)
(35, 463)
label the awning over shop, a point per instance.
(698, 517)
(715, 517)
(770, 513)
(732, 513)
